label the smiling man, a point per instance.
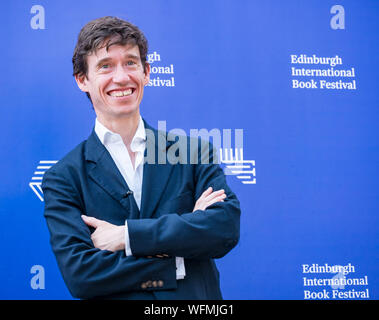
(121, 227)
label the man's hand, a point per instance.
(107, 236)
(110, 237)
(208, 198)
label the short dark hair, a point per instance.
(105, 32)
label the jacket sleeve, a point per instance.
(87, 271)
(202, 234)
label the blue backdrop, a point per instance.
(310, 209)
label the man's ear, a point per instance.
(147, 73)
(81, 81)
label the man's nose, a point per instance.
(120, 75)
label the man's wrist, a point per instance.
(121, 237)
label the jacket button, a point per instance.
(160, 283)
(143, 285)
(149, 283)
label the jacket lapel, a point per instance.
(105, 173)
(155, 175)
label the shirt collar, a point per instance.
(107, 136)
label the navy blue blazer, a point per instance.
(87, 181)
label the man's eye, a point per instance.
(104, 66)
(130, 63)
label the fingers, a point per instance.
(206, 193)
(91, 221)
(215, 194)
(208, 198)
(216, 198)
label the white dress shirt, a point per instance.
(132, 176)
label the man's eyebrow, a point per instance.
(132, 56)
(107, 59)
(102, 61)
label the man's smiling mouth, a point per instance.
(121, 93)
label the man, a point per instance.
(126, 228)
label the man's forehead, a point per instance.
(116, 49)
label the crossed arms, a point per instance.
(95, 265)
(111, 237)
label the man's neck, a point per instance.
(125, 126)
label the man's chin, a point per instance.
(124, 110)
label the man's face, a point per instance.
(115, 81)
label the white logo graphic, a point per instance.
(233, 159)
(38, 280)
(236, 165)
(36, 182)
(38, 20)
(338, 20)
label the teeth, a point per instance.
(121, 93)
